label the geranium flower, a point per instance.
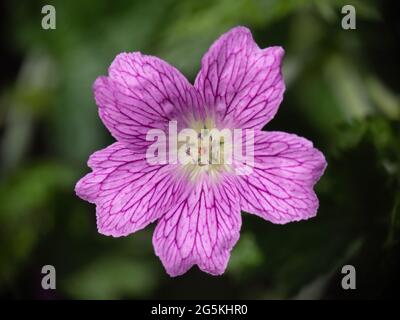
(197, 207)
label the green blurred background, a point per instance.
(342, 93)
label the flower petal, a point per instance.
(280, 188)
(240, 82)
(201, 229)
(142, 93)
(128, 192)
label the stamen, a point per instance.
(212, 148)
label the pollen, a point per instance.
(210, 153)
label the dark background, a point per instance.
(342, 93)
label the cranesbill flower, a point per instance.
(197, 206)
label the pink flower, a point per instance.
(198, 215)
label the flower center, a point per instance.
(209, 153)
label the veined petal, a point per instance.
(128, 192)
(141, 93)
(240, 82)
(280, 188)
(201, 229)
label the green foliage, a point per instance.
(246, 256)
(112, 277)
(26, 206)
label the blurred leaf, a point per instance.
(348, 86)
(26, 101)
(31, 188)
(393, 237)
(316, 288)
(111, 278)
(385, 140)
(24, 204)
(385, 100)
(349, 135)
(245, 256)
(196, 25)
(18, 127)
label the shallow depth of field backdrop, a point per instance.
(342, 93)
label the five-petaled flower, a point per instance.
(198, 216)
